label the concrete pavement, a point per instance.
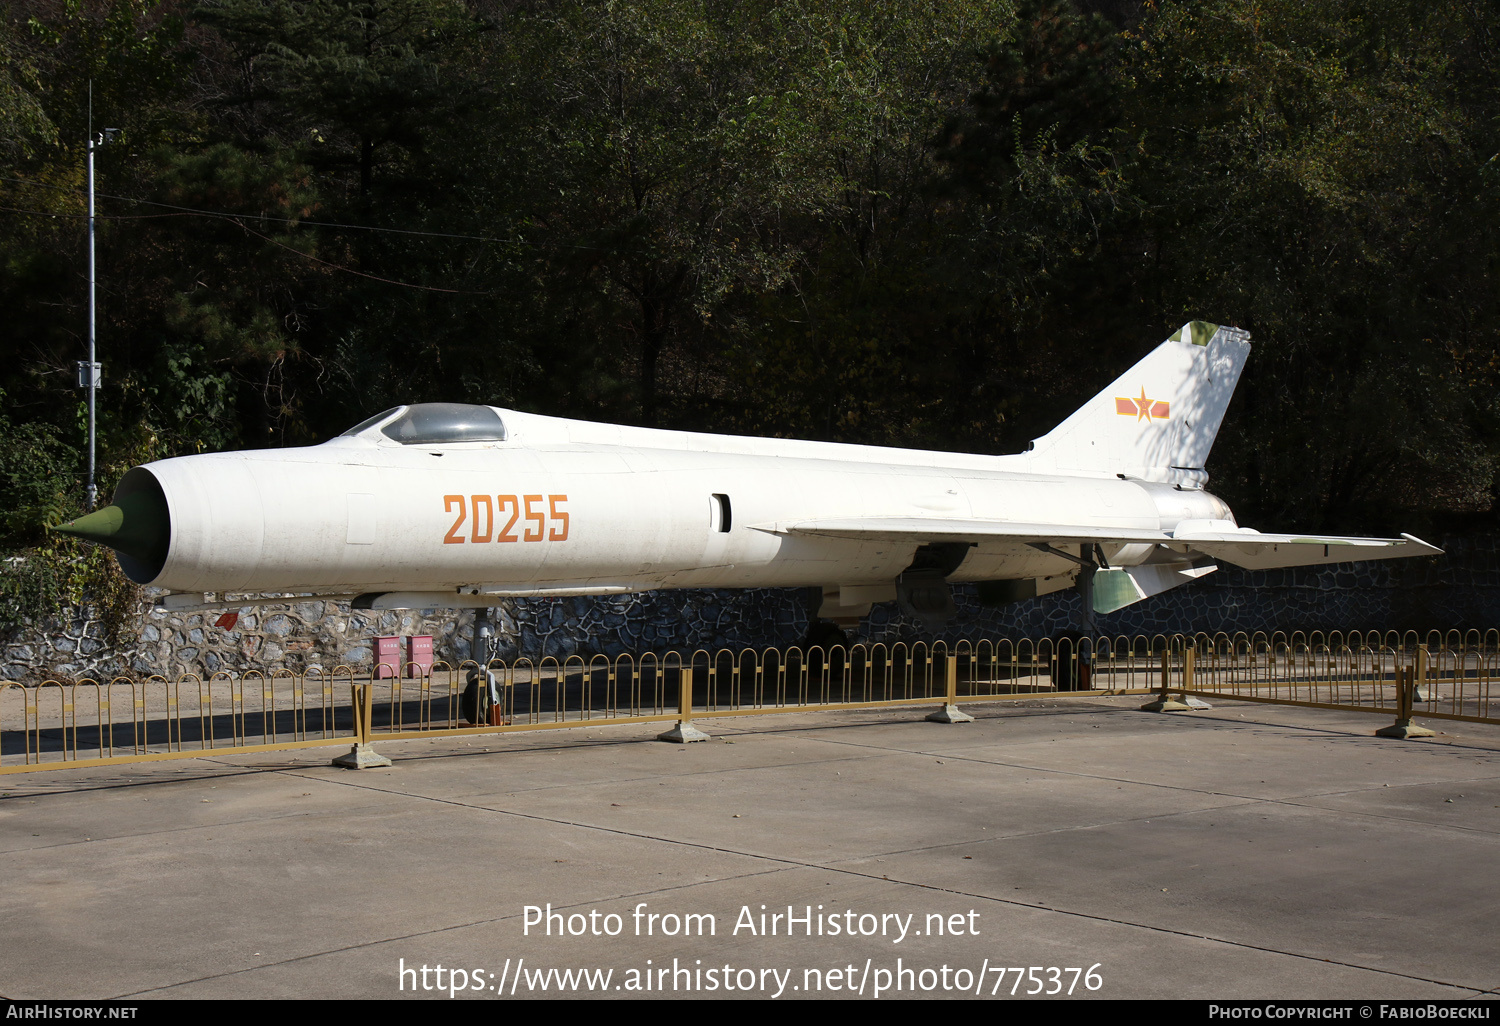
(1250, 851)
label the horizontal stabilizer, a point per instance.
(1255, 551)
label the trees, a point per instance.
(126, 58)
(24, 124)
(353, 86)
(937, 223)
(972, 179)
(665, 149)
(1315, 172)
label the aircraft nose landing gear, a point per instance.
(481, 701)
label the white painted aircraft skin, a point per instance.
(572, 507)
(251, 522)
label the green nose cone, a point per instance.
(136, 525)
(101, 526)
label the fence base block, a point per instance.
(683, 733)
(362, 757)
(950, 714)
(1403, 729)
(1166, 704)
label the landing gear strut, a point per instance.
(480, 702)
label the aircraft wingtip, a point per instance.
(1432, 550)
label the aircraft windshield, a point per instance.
(370, 421)
(435, 423)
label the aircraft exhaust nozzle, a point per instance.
(136, 524)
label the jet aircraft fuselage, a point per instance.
(445, 504)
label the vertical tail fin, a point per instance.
(1157, 421)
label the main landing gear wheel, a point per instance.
(477, 702)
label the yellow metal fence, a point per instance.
(57, 723)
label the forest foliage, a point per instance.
(936, 224)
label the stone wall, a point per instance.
(1458, 590)
(294, 635)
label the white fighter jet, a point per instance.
(447, 505)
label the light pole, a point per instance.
(88, 371)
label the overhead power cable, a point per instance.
(350, 270)
(239, 219)
(257, 217)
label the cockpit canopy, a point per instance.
(436, 424)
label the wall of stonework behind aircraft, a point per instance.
(1458, 590)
